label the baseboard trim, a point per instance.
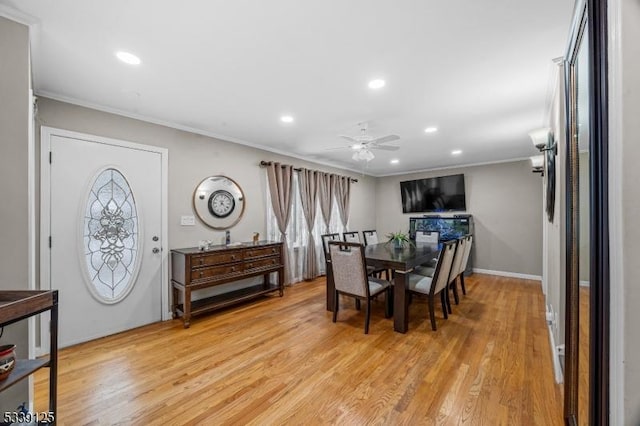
(508, 274)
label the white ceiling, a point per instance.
(478, 70)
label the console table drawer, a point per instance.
(222, 270)
(217, 258)
(261, 263)
(262, 252)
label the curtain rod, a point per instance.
(296, 169)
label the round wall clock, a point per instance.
(218, 202)
(550, 175)
(221, 203)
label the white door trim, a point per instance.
(46, 133)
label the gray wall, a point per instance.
(630, 208)
(192, 158)
(504, 199)
(14, 125)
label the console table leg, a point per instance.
(186, 315)
(174, 301)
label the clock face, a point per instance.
(221, 203)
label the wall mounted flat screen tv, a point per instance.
(438, 194)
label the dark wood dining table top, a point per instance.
(406, 258)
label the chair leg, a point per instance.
(448, 300)
(388, 303)
(464, 290)
(336, 303)
(357, 304)
(443, 300)
(454, 286)
(368, 315)
(432, 313)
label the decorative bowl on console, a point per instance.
(7, 360)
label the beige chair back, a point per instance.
(443, 267)
(427, 236)
(325, 243)
(457, 259)
(351, 237)
(467, 251)
(349, 268)
(370, 237)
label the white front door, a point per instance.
(104, 213)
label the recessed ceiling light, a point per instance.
(286, 119)
(394, 161)
(128, 58)
(376, 84)
(456, 152)
(430, 129)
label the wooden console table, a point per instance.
(195, 269)
(16, 305)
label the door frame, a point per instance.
(46, 133)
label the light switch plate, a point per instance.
(187, 220)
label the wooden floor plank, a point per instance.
(283, 361)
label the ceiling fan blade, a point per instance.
(385, 147)
(336, 148)
(385, 139)
(349, 138)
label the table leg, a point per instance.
(331, 287)
(186, 314)
(400, 302)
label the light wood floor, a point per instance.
(282, 361)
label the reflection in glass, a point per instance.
(581, 69)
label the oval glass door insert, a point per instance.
(110, 237)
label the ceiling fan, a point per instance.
(363, 143)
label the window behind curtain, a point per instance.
(297, 236)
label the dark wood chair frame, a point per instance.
(388, 290)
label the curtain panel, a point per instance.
(280, 179)
(308, 183)
(343, 194)
(325, 194)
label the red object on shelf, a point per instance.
(7, 360)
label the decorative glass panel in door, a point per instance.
(110, 237)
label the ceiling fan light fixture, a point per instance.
(376, 84)
(128, 58)
(363, 155)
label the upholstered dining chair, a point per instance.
(326, 238)
(455, 267)
(463, 263)
(431, 237)
(350, 278)
(438, 283)
(351, 237)
(325, 243)
(370, 237)
(427, 237)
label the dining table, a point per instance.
(400, 260)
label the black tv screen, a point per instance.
(438, 194)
